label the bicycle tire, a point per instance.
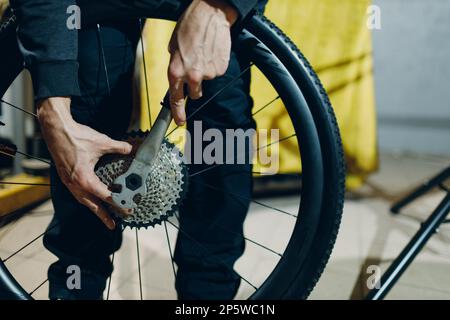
(323, 166)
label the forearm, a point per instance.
(54, 112)
(48, 46)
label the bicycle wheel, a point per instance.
(315, 225)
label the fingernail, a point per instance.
(111, 224)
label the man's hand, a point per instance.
(75, 150)
(200, 50)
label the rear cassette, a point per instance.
(166, 183)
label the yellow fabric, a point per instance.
(4, 4)
(14, 197)
(334, 37)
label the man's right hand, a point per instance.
(75, 150)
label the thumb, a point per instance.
(120, 147)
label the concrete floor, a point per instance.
(369, 236)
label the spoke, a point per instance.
(26, 184)
(105, 68)
(40, 236)
(102, 50)
(139, 263)
(43, 212)
(263, 173)
(247, 199)
(220, 262)
(45, 281)
(91, 243)
(262, 246)
(145, 74)
(110, 278)
(277, 142)
(213, 97)
(177, 216)
(4, 218)
(30, 243)
(10, 150)
(245, 238)
(38, 287)
(25, 246)
(18, 108)
(265, 106)
(33, 157)
(117, 231)
(205, 170)
(170, 251)
(260, 148)
(443, 187)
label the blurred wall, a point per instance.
(18, 124)
(333, 35)
(412, 75)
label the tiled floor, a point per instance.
(369, 236)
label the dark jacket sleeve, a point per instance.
(49, 46)
(243, 6)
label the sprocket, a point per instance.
(166, 183)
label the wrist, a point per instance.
(54, 112)
(228, 10)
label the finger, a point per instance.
(177, 103)
(97, 208)
(178, 113)
(123, 213)
(210, 71)
(194, 81)
(99, 190)
(120, 147)
(176, 90)
(96, 188)
(173, 42)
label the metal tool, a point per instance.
(166, 184)
(128, 188)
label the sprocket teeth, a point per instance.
(169, 160)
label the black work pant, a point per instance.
(211, 219)
(76, 236)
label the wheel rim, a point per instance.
(279, 281)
